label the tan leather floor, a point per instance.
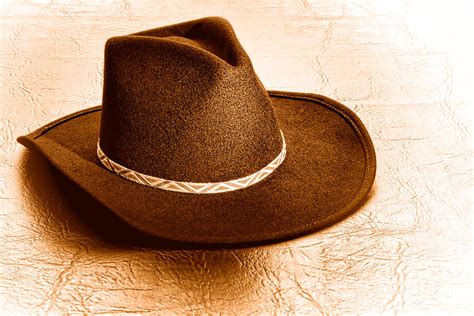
(404, 68)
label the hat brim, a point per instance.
(328, 172)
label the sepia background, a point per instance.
(405, 67)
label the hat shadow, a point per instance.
(68, 204)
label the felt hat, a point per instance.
(189, 146)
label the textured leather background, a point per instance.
(405, 68)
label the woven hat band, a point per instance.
(192, 187)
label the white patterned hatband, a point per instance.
(192, 187)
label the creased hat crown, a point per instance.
(183, 102)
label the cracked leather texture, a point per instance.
(404, 67)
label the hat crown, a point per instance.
(183, 103)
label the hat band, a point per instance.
(192, 187)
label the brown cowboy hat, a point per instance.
(189, 146)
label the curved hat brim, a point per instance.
(328, 172)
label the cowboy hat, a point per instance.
(189, 146)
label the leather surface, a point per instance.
(404, 68)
